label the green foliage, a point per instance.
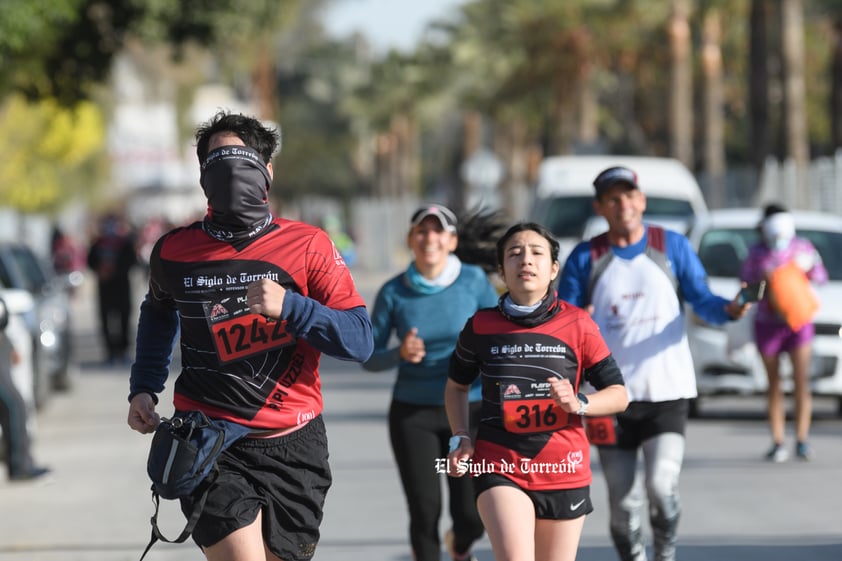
(63, 48)
(23, 23)
(318, 137)
(514, 61)
(48, 149)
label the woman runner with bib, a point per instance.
(533, 353)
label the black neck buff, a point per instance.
(236, 184)
(548, 307)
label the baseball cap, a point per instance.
(444, 215)
(613, 175)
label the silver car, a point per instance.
(725, 357)
(49, 322)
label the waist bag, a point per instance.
(182, 457)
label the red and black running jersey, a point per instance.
(523, 434)
(237, 365)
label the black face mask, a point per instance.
(236, 184)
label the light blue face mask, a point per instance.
(781, 243)
(777, 243)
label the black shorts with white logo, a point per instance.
(287, 478)
(560, 504)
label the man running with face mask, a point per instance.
(256, 299)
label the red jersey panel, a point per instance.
(237, 365)
(523, 434)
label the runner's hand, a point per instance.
(412, 348)
(142, 415)
(265, 297)
(457, 461)
(561, 390)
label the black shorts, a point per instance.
(644, 419)
(287, 478)
(560, 504)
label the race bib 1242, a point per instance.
(238, 333)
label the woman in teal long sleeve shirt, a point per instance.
(425, 307)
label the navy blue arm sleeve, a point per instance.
(156, 332)
(342, 334)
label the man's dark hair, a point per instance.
(253, 133)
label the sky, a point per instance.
(396, 24)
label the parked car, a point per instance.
(48, 322)
(725, 357)
(564, 195)
(19, 305)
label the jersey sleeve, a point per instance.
(464, 363)
(329, 281)
(332, 317)
(157, 328)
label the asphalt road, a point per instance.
(95, 505)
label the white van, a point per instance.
(564, 195)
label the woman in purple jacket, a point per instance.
(780, 247)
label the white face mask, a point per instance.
(778, 231)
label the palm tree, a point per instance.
(758, 92)
(681, 78)
(795, 108)
(714, 119)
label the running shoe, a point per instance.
(803, 451)
(448, 543)
(777, 453)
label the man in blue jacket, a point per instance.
(634, 280)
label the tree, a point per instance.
(714, 126)
(681, 78)
(48, 151)
(64, 48)
(758, 93)
(795, 103)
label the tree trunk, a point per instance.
(714, 126)
(795, 109)
(384, 183)
(758, 86)
(588, 133)
(472, 141)
(681, 92)
(265, 82)
(407, 169)
(513, 146)
(836, 88)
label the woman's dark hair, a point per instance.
(522, 227)
(773, 208)
(478, 228)
(769, 210)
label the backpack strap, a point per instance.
(656, 250)
(157, 535)
(601, 256)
